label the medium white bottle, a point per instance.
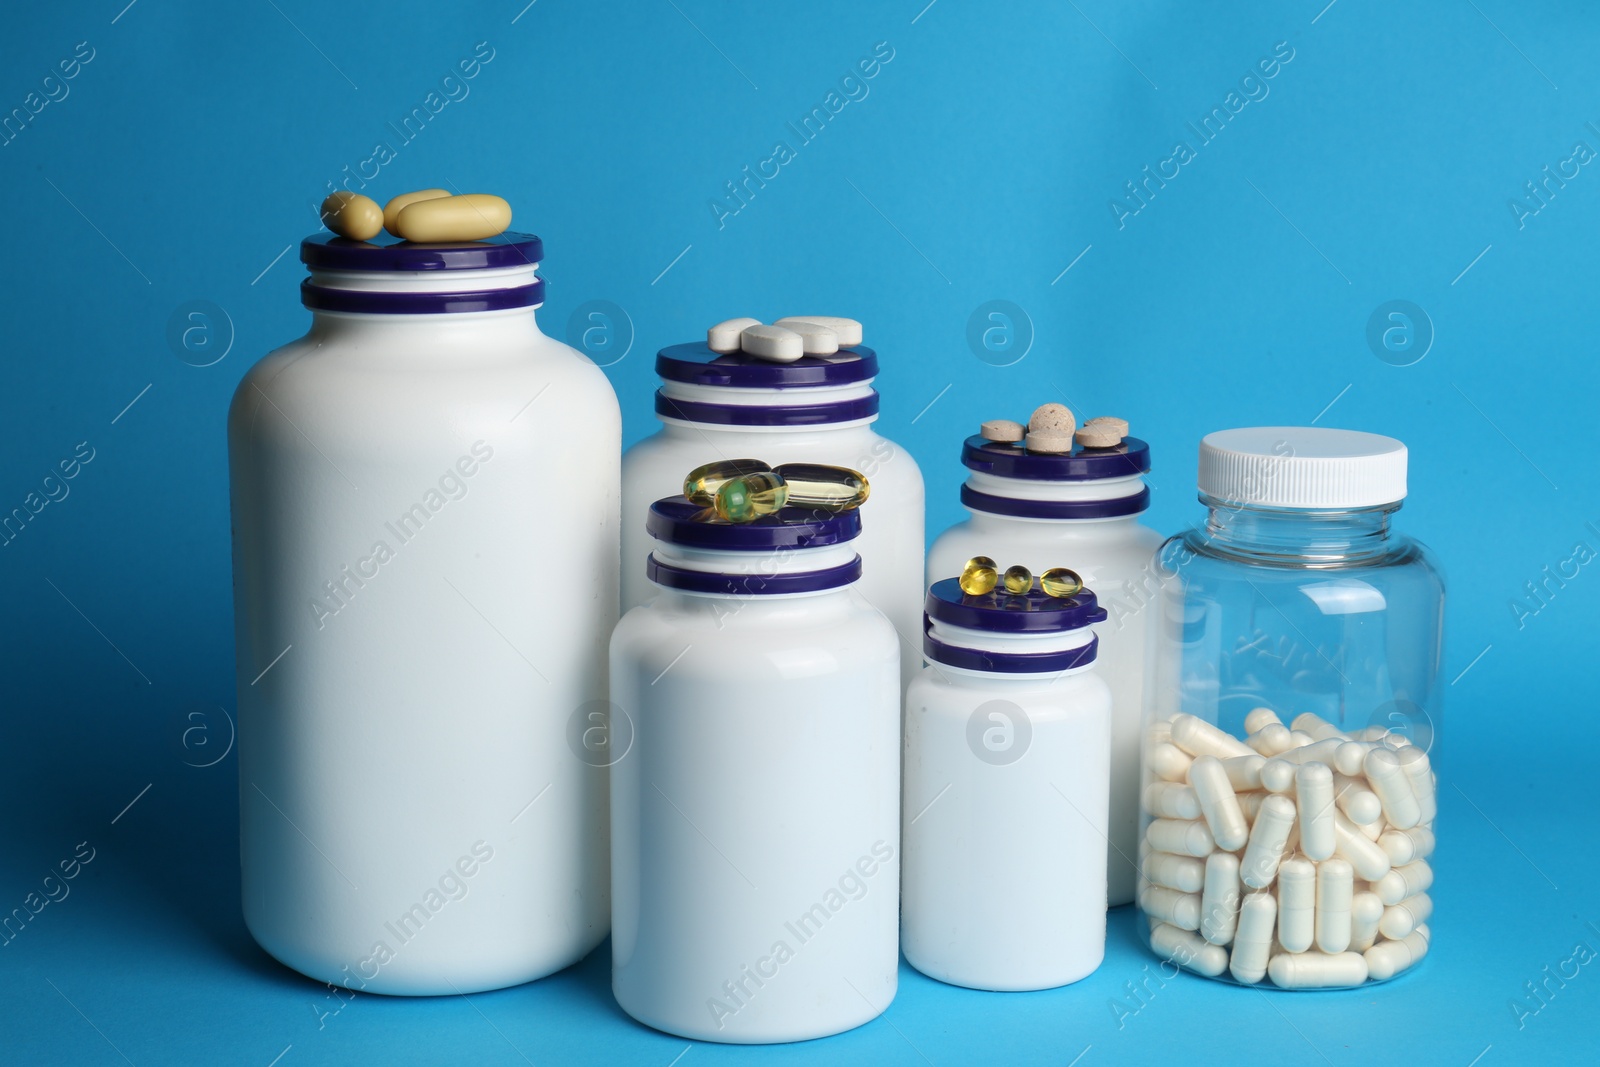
(816, 409)
(755, 816)
(1007, 758)
(425, 497)
(1079, 510)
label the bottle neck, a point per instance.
(1297, 535)
(499, 301)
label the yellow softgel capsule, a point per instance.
(703, 482)
(1061, 582)
(748, 497)
(352, 215)
(823, 486)
(979, 576)
(391, 210)
(472, 217)
(1018, 579)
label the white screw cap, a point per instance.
(1302, 467)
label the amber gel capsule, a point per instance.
(703, 482)
(823, 486)
(1018, 579)
(750, 496)
(1061, 582)
(979, 576)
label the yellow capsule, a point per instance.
(820, 485)
(1018, 579)
(1060, 582)
(703, 482)
(750, 496)
(391, 210)
(472, 217)
(352, 215)
(979, 576)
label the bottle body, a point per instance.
(1305, 642)
(1006, 793)
(404, 689)
(891, 542)
(755, 819)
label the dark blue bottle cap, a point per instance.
(1002, 612)
(1012, 460)
(696, 364)
(328, 251)
(672, 519)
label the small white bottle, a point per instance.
(425, 538)
(817, 409)
(755, 819)
(1079, 510)
(1007, 757)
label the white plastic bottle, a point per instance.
(755, 819)
(818, 409)
(1007, 757)
(1079, 510)
(425, 523)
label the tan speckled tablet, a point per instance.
(1121, 425)
(1057, 418)
(1002, 430)
(1049, 441)
(1099, 435)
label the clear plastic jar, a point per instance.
(1287, 790)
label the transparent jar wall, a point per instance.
(1325, 613)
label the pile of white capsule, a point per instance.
(1299, 854)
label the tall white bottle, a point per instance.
(817, 409)
(1079, 510)
(425, 500)
(755, 817)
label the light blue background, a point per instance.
(187, 155)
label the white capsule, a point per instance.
(1219, 902)
(848, 331)
(1199, 738)
(1257, 718)
(1169, 800)
(1370, 861)
(1270, 740)
(1297, 903)
(1316, 752)
(1402, 918)
(1167, 761)
(776, 344)
(1366, 912)
(1348, 757)
(1375, 734)
(1313, 788)
(1250, 804)
(1403, 846)
(1317, 970)
(1252, 942)
(1182, 837)
(1218, 804)
(1158, 731)
(1188, 949)
(817, 339)
(1244, 772)
(1170, 906)
(1419, 773)
(1267, 838)
(1359, 803)
(1393, 787)
(1277, 775)
(1186, 874)
(1407, 880)
(1388, 958)
(1299, 739)
(1373, 830)
(724, 336)
(1319, 728)
(1335, 896)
